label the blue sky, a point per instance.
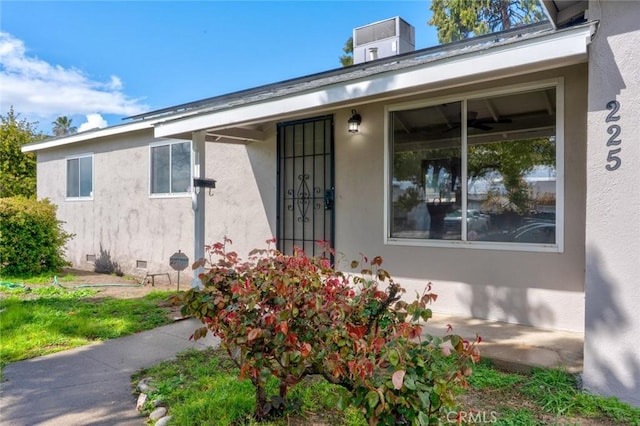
(99, 61)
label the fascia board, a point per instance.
(93, 134)
(81, 137)
(557, 49)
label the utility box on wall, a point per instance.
(383, 39)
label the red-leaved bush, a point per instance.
(289, 316)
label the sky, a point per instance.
(98, 62)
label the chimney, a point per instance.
(382, 39)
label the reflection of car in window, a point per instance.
(536, 233)
(476, 221)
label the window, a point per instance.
(80, 177)
(171, 168)
(485, 180)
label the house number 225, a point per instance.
(614, 130)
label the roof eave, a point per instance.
(570, 46)
(93, 134)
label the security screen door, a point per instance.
(305, 185)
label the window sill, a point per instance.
(180, 195)
(475, 245)
(74, 199)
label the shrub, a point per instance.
(105, 265)
(289, 316)
(31, 238)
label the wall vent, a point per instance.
(90, 257)
(141, 264)
(383, 39)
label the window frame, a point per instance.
(150, 177)
(464, 97)
(66, 172)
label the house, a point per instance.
(522, 211)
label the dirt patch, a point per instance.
(114, 286)
(118, 287)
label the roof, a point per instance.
(534, 47)
(353, 72)
(192, 116)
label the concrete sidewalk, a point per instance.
(90, 385)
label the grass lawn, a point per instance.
(202, 388)
(43, 319)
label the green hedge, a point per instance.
(31, 237)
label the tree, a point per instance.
(17, 169)
(347, 58)
(62, 126)
(512, 159)
(460, 19)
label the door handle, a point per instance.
(328, 199)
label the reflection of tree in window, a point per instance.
(512, 160)
(427, 150)
(510, 142)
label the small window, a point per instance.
(80, 177)
(171, 168)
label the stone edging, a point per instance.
(159, 415)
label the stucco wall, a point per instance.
(244, 205)
(612, 285)
(542, 289)
(124, 221)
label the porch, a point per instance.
(514, 347)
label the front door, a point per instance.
(305, 185)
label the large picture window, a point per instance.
(488, 177)
(171, 168)
(80, 177)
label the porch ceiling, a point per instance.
(244, 134)
(561, 12)
(526, 53)
(494, 119)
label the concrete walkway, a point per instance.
(516, 347)
(90, 385)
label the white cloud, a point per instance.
(94, 121)
(37, 89)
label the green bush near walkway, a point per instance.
(31, 237)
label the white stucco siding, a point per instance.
(612, 285)
(541, 289)
(243, 205)
(123, 220)
(120, 218)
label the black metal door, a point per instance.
(305, 185)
